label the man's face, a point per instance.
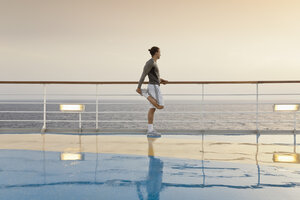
(158, 54)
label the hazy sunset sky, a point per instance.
(108, 39)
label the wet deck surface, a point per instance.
(49, 166)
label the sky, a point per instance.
(108, 40)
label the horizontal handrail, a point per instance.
(120, 103)
(160, 121)
(136, 82)
(166, 112)
(165, 94)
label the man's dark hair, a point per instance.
(153, 50)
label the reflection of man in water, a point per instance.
(155, 172)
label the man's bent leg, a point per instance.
(154, 102)
(148, 94)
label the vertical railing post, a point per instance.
(202, 108)
(96, 106)
(45, 111)
(295, 120)
(295, 142)
(256, 159)
(295, 136)
(203, 172)
(80, 120)
(257, 107)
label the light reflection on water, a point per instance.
(127, 167)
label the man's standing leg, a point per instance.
(150, 119)
(151, 94)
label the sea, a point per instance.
(132, 114)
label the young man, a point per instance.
(152, 93)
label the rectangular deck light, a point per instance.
(286, 157)
(71, 107)
(286, 107)
(71, 156)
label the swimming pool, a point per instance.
(58, 166)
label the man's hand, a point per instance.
(163, 81)
(138, 90)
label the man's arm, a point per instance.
(163, 81)
(148, 66)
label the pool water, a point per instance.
(35, 166)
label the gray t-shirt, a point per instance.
(150, 69)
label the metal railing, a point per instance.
(96, 95)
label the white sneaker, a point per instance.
(153, 134)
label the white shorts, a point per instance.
(154, 91)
